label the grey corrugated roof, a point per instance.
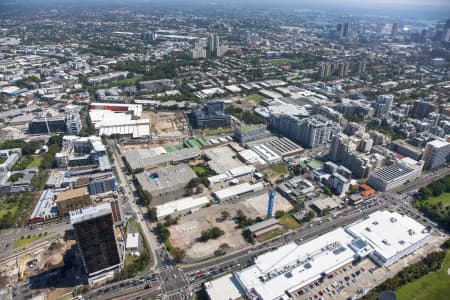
(263, 224)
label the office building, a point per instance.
(211, 116)
(250, 133)
(103, 184)
(436, 154)
(96, 240)
(156, 85)
(73, 123)
(394, 30)
(387, 178)
(83, 151)
(46, 124)
(346, 30)
(72, 199)
(383, 105)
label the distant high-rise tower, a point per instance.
(94, 229)
(211, 44)
(383, 105)
(216, 42)
(339, 30)
(394, 30)
(346, 30)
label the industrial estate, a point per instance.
(156, 151)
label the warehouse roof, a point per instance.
(238, 190)
(180, 205)
(293, 266)
(403, 232)
(262, 225)
(215, 288)
(172, 177)
(147, 158)
(132, 241)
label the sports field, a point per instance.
(434, 286)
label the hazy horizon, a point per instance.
(412, 8)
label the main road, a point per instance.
(119, 165)
(176, 281)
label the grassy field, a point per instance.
(7, 207)
(279, 61)
(270, 235)
(278, 169)
(22, 163)
(434, 286)
(288, 221)
(255, 98)
(35, 163)
(200, 171)
(219, 130)
(130, 259)
(15, 208)
(33, 238)
(126, 81)
(443, 198)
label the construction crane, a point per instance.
(23, 261)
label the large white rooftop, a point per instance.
(223, 288)
(180, 205)
(238, 190)
(388, 232)
(90, 212)
(111, 123)
(132, 241)
(293, 266)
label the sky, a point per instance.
(389, 7)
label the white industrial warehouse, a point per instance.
(291, 267)
(383, 236)
(391, 235)
(180, 205)
(119, 119)
(237, 191)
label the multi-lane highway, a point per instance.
(178, 282)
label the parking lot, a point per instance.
(354, 280)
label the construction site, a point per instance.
(186, 233)
(167, 127)
(34, 269)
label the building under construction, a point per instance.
(96, 239)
